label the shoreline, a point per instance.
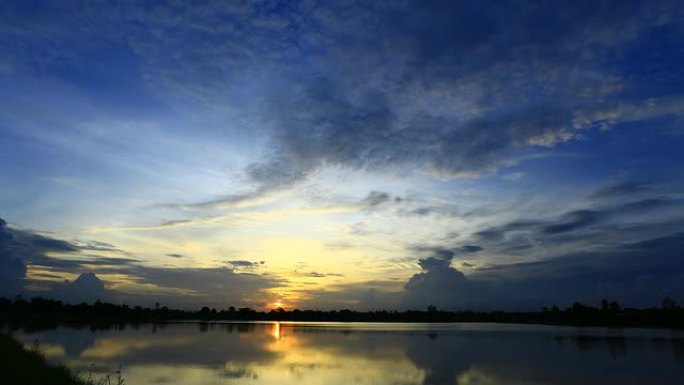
(29, 367)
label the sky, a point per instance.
(342, 154)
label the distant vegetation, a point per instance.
(41, 312)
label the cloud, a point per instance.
(572, 221)
(620, 189)
(444, 210)
(365, 295)
(20, 248)
(36, 244)
(167, 224)
(575, 220)
(12, 265)
(634, 273)
(375, 198)
(445, 253)
(99, 246)
(86, 288)
(391, 119)
(454, 89)
(183, 287)
(268, 177)
(245, 264)
(470, 248)
(212, 286)
(637, 273)
(438, 284)
(315, 274)
(180, 287)
(84, 262)
(220, 202)
(175, 255)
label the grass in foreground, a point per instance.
(29, 367)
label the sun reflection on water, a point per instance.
(276, 331)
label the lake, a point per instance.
(363, 353)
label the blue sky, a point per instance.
(343, 154)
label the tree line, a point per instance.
(38, 310)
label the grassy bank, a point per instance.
(28, 367)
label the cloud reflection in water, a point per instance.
(291, 353)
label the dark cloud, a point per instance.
(442, 210)
(444, 253)
(81, 263)
(356, 122)
(634, 273)
(421, 211)
(637, 273)
(440, 251)
(86, 288)
(100, 246)
(245, 264)
(175, 222)
(21, 248)
(496, 233)
(643, 205)
(268, 177)
(453, 88)
(174, 255)
(574, 220)
(18, 248)
(38, 244)
(438, 284)
(376, 198)
(621, 189)
(643, 257)
(12, 265)
(470, 248)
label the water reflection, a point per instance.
(276, 330)
(333, 353)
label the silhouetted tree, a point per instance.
(669, 304)
(614, 308)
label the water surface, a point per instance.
(361, 353)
